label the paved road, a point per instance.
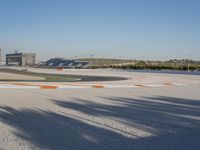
(108, 80)
(165, 117)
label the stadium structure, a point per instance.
(63, 63)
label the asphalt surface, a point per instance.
(52, 77)
(144, 118)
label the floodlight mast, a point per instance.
(188, 63)
(0, 56)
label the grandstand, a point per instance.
(64, 63)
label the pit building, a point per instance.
(21, 59)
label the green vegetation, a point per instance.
(139, 64)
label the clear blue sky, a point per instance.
(138, 29)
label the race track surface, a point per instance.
(145, 112)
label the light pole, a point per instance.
(0, 56)
(188, 63)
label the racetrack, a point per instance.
(146, 111)
(17, 75)
(87, 78)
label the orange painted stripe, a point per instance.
(48, 87)
(27, 84)
(41, 86)
(98, 86)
